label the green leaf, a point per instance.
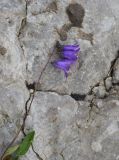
(25, 144)
(10, 151)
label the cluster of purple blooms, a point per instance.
(69, 54)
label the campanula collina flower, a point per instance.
(63, 64)
(69, 54)
(74, 48)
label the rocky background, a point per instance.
(75, 118)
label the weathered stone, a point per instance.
(2, 50)
(108, 83)
(53, 119)
(99, 91)
(12, 104)
(13, 92)
(12, 62)
(66, 128)
(105, 135)
(116, 72)
(82, 114)
(39, 35)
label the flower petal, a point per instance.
(71, 55)
(63, 65)
(75, 48)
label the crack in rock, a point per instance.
(78, 97)
(61, 154)
(110, 73)
(91, 108)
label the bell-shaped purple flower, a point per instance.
(69, 55)
(64, 65)
(70, 52)
(74, 48)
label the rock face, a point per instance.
(12, 102)
(56, 129)
(40, 33)
(67, 130)
(116, 72)
(74, 118)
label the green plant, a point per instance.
(15, 152)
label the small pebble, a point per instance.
(108, 83)
(3, 50)
(100, 91)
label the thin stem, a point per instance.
(27, 110)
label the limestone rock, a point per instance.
(40, 34)
(53, 119)
(108, 83)
(68, 129)
(105, 127)
(12, 105)
(65, 127)
(99, 91)
(116, 72)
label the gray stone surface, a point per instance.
(105, 122)
(116, 72)
(12, 62)
(39, 36)
(66, 128)
(108, 83)
(12, 101)
(99, 91)
(13, 92)
(53, 118)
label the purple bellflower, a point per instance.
(63, 64)
(74, 48)
(69, 54)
